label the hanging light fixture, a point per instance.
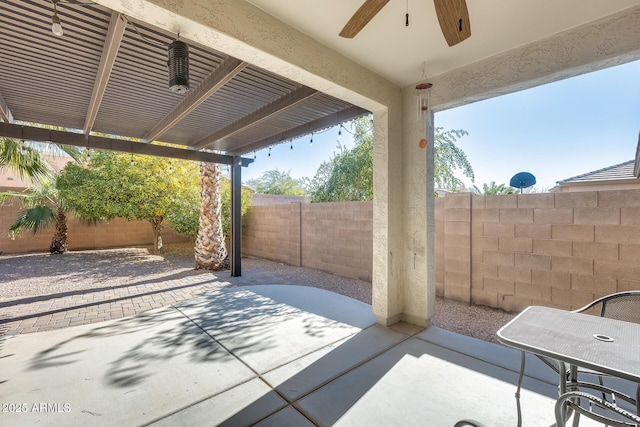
(56, 27)
(311, 140)
(178, 66)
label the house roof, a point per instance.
(617, 172)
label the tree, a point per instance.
(448, 158)
(188, 213)
(492, 189)
(23, 160)
(184, 215)
(348, 175)
(245, 202)
(43, 207)
(276, 182)
(211, 253)
(110, 185)
(42, 203)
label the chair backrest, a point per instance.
(621, 306)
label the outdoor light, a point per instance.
(178, 67)
(56, 28)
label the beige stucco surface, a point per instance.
(401, 285)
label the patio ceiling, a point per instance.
(108, 75)
(405, 54)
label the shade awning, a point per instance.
(108, 75)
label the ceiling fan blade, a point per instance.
(453, 17)
(367, 11)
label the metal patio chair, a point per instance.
(580, 403)
(620, 306)
(623, 306)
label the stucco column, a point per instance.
(387, 281)
(418, 242)
(403, 216)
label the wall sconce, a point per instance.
(178, 67)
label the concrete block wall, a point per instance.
(559, 249)
(273, 232)
(457, 246)
(338, 238)
(439, 244)
(554, 249)
(333, 237)
(116, 233)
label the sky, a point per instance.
(555, 131)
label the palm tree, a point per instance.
(42, 208)
(492, 189)
(23, 159)
(210, 251)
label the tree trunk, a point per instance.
(59, 241)
(156, 224)
(210, 251)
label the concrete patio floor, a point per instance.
(268, 356)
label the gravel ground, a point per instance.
(43, 274)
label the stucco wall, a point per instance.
(333, 237)
(116, 233)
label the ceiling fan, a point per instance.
(453, 17)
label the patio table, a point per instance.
(576, 339)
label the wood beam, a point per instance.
(29, 133)
(117, 26)
(288, 101)
(229, 68)
(341, 116)
(5, 112)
